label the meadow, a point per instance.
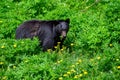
(91, 50)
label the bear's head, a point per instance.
(62, 28)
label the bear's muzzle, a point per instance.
(63, 34)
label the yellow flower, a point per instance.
(111, 45)
(48, 50)
(59, 61)
(4, 78)
(85, 72)
(79, 60)
(15, 45)
(2, 47)
(77, 63)
(62, 49)
(117, 59)
(68, 72)
(1, 63)
(58, 43)
(65, 75)
(60, 78)
(98, 57)
(14, 67)
(80, 75)
(71, 44)
(72, 70)
(55, 47)
(118, 67)
(73, 66)
(76, 76)
(91, 59)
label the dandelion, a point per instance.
(71, 44)
(14, 45)
(98, 57)
(79, 60)
(118, 67)
(110, 45)
(65, 75)
(59, 61)
(77, 63)
(85, 72)
(76, 76)
(62, 49)
(117, 59)
(48, 50)
(14, 67)
(4, 78)
(58, 43)
(68, 72)
(73, 66)
(80, 75)
(1, 63)
(60, 78)
(91, 59)
(55, 47)
(72, 70)
(2, 46)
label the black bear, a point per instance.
(49, 32)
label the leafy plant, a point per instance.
(91, 49)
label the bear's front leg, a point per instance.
(48, 44)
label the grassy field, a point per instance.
(91, 50)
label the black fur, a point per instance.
(48, 32)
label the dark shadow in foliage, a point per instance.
(106, 65)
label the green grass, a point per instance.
(91, 50)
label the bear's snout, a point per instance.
(63, 34)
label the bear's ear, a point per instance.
(67, 20)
